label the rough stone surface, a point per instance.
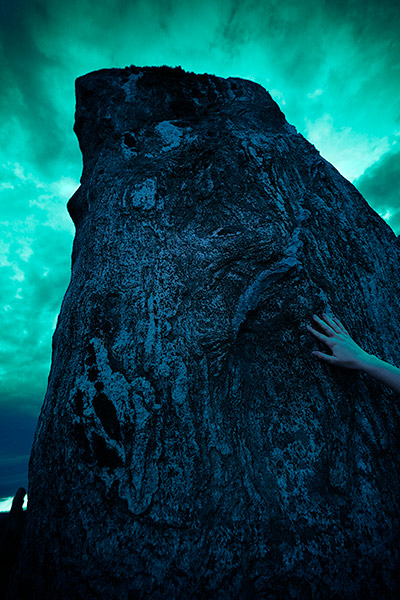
(189, 445)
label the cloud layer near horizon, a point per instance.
(333, 68)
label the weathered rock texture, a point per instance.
(189, 445)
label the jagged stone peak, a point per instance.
(112, 101)
(204, 89)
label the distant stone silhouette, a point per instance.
(189, 446)
(11, 528)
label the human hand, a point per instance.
(345, 352)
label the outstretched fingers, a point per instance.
(327, 325)
(333, 336)
(318, 335)
(330, 321)
(331, 324)
(341, 326)
(326, 357)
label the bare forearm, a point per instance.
(381, 370)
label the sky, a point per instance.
(332, 67)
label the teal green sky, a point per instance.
(333, 68)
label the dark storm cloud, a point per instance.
(34, 125)
(380, 184)
(16, 435)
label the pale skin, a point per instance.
(346, 353)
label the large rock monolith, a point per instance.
(189, 445)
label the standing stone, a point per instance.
(189, 445)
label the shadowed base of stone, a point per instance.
(12, 525)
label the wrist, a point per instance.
(367, 362)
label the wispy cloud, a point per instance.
(350, 151)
